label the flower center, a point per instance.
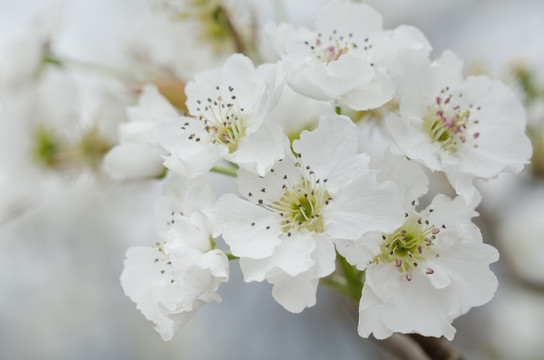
(330, 48)
(224, 122)
(409, 245)
(448, 124)
(302, 202)
(300, 206)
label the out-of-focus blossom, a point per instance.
(137, 154)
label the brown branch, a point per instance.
(402, 347)
(238, 42)
(437, 348)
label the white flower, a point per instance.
(345, 58)
(137, 155)
(229, 108)
(170, 281)
(285, 232)
(426, 273)
(467, 128)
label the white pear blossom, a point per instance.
(345, 58)
(137, 154)
(228, 110)
(284, 233)
(171, 280)
(467, 128)
(430, 270)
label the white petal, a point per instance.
(151, 106)
(292, 257)
(466, 263)
(372, 94)
(425, 312)
(137, 132)
(257, 152)
(363, 205)
(446, 71)
(144, 283)
(399, 40)
(447, 210)
(324, 256)
(216, 263)
(413, 80)
(371, 310)
(501, 146)
(340, 76)
(187, 157)
(295, 293)
(410, 306)
(299, 80)
(332, 145)
(247, 240)
(345, 17)
(236, 72)
(270, 187)
(188, 232)
(464, 187)
(413, 142)
(406, 174)
(361, 251)
(182, 196)
(497, 101)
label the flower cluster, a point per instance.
(312, 207)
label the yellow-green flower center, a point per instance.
(302, 200)
(225, 122)
(300, 207)
(448, 123)
(409, 245)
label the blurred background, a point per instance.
(64, 226)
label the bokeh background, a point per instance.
(63, 237)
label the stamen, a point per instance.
(409, 245)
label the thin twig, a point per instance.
(437, 348)
(402, 347)
(238, 42)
